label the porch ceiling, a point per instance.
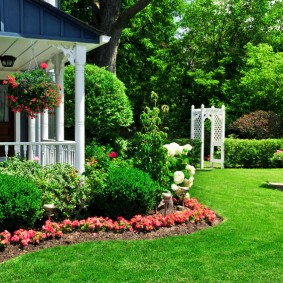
(30, 30)
(30, 52)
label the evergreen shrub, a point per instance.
(108, 108)
(251, 153)
(129, 191)
(20, 203)
(59, 183)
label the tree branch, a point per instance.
(131, 12)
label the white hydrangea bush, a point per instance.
(180, 169)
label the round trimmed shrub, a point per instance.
(20, 203)
(258, 125)
(107, 105)
(129, 191)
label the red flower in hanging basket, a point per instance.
(32, 91)
(43, 65)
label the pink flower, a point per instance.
(112, 154)
(43, 65)
(36, 158)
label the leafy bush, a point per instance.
(20, 202)
(61, 185)
(250, 153)
(149, 154)
(129, 191)
(259, 125)
(98, 154)
(107, 106)
(23, 168)
(277, 159)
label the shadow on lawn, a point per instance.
(273, 186)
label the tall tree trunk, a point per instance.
(108, 18)
(105, 56)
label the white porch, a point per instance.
(38, 32)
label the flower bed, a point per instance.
(195, 213)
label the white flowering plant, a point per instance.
(178, 157)
(180, 169)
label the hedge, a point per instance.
(251, 153)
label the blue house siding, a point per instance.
(37, 19)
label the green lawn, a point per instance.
(246, 247)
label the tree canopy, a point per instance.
(194, 52)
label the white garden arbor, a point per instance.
(217, 118)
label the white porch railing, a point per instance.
(48, 152)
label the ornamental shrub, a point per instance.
(149, 154)
(107, 106)
(251, 153)
(20, 202)
(61, 185)
(277, 159)
(259, 125)
(129, 191)
(21, 167)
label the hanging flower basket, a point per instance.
(32, 91)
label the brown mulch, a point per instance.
(12, 251)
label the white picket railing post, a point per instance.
(46, 151)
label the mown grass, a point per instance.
(246, 247)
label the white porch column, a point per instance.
(44, 125)
(18, 127)
(31, 135)
(59, 78)
(80, 60)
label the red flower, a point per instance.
(43, 65)
(112, 154)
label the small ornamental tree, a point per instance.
(107, 107)
(258, 125)
(149, 154)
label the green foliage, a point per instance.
(97, 154)
(20, 202)
(107, 106)
(150, 156)
(260, 85)
(151, 50)
(277, 159)
(61, 185)
(250, 153)
(259, 125)
(129, 191)
(22, 168)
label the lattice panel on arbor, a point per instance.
(218, 124)
(197, 127)
(217, 118)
